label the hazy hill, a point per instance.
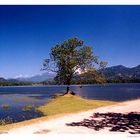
(38, 78)
(2, 79)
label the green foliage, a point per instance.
(68, 57)
(15, 83)
(117, 80)
(91, 76)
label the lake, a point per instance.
(20, 96)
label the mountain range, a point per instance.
(122, 72)
(38, 78)
(111, 73)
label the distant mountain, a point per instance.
(111, 73)
(8, 80)
(2, 79)
(122, 72)
(12, 80)
(38, 78)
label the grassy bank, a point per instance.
(60, 106)
(70, 104)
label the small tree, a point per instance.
(68, 58)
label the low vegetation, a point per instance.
(5, 106)
(69, 104)
(6, 121)
(28, 108)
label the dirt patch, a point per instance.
(43, 131)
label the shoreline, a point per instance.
(40, 85)
(56, 124)
(7, 127)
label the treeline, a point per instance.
(47, 83)
(74, 81)
(123, 81)
(93, 81)
(15, 83)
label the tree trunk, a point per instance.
(68, 91)
(68, 88)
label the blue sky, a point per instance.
(27, 34)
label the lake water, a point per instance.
(19, 97)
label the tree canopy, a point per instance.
(70, 58)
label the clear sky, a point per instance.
(27, 34)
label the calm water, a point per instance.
(19, 97)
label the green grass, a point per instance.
(69, 104)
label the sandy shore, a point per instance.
(58, 125)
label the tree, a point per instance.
(69, 57)
(91, 76)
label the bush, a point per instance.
(28, 108)
(5, 106)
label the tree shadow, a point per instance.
(116, 122)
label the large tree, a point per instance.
(70, 58)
